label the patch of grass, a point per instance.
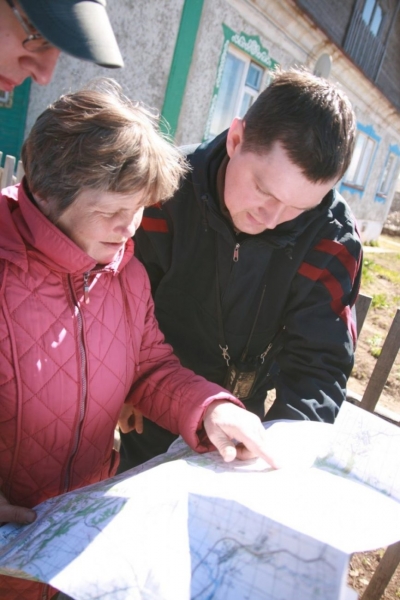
(373, 269)
(385, 273)
(367, 270)
(375, 345)
(379, 301)
(373, 243)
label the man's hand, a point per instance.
(224, 422)
(130, 419)
(15, 514)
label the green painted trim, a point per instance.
(250, 44)
(13, 119)
(182, 59)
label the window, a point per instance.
(5, 99)
(372, 16)
(358, 171)
(389, 173)
(241, 82)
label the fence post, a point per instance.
(383, 573)
(20, 172)
(383, 366)
(8, 171)
(362, 307)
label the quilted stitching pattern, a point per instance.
(48, 351)
(58, 411)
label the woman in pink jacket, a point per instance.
(78, 337)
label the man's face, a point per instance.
(265, 190)
(100, 223)
(16, 63)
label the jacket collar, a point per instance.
(24, 229)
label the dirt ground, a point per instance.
(381, 281)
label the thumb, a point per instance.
(225, 447)
(16, 514)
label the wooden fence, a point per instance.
(391, 558)
(10, 173)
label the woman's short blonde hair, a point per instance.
(98, 138)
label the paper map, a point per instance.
(191, 526)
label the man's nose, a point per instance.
(274, 214)
(41, 65)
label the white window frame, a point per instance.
(360, 167)
(4, 97)
(373, 13)
(389, 175)
(235, 110)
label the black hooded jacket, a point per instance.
(294, 286)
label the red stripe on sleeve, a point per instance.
(335, 289)
(158, 225)
(341, 253)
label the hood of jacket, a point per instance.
(24, 229)
(206, 161)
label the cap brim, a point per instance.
(79, 27)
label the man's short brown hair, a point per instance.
(97, 138)
(312, 119)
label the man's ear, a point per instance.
(235, 136)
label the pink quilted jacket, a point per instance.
(67, 366)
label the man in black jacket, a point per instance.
(255, 263)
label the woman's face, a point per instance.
(100, 223)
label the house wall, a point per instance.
(240, 17)
(292, 38)
(332, 16)
(388, 78)
(146, 32)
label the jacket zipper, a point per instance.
(86, 287)
(268, 348)
(236, 253)
(266, 351)
(82, 356)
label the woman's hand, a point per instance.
(225, 422)
(15, 514)
(130, 419)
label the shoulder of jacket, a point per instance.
(135, 275)
(189, 149)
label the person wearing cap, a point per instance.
(34, 32)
